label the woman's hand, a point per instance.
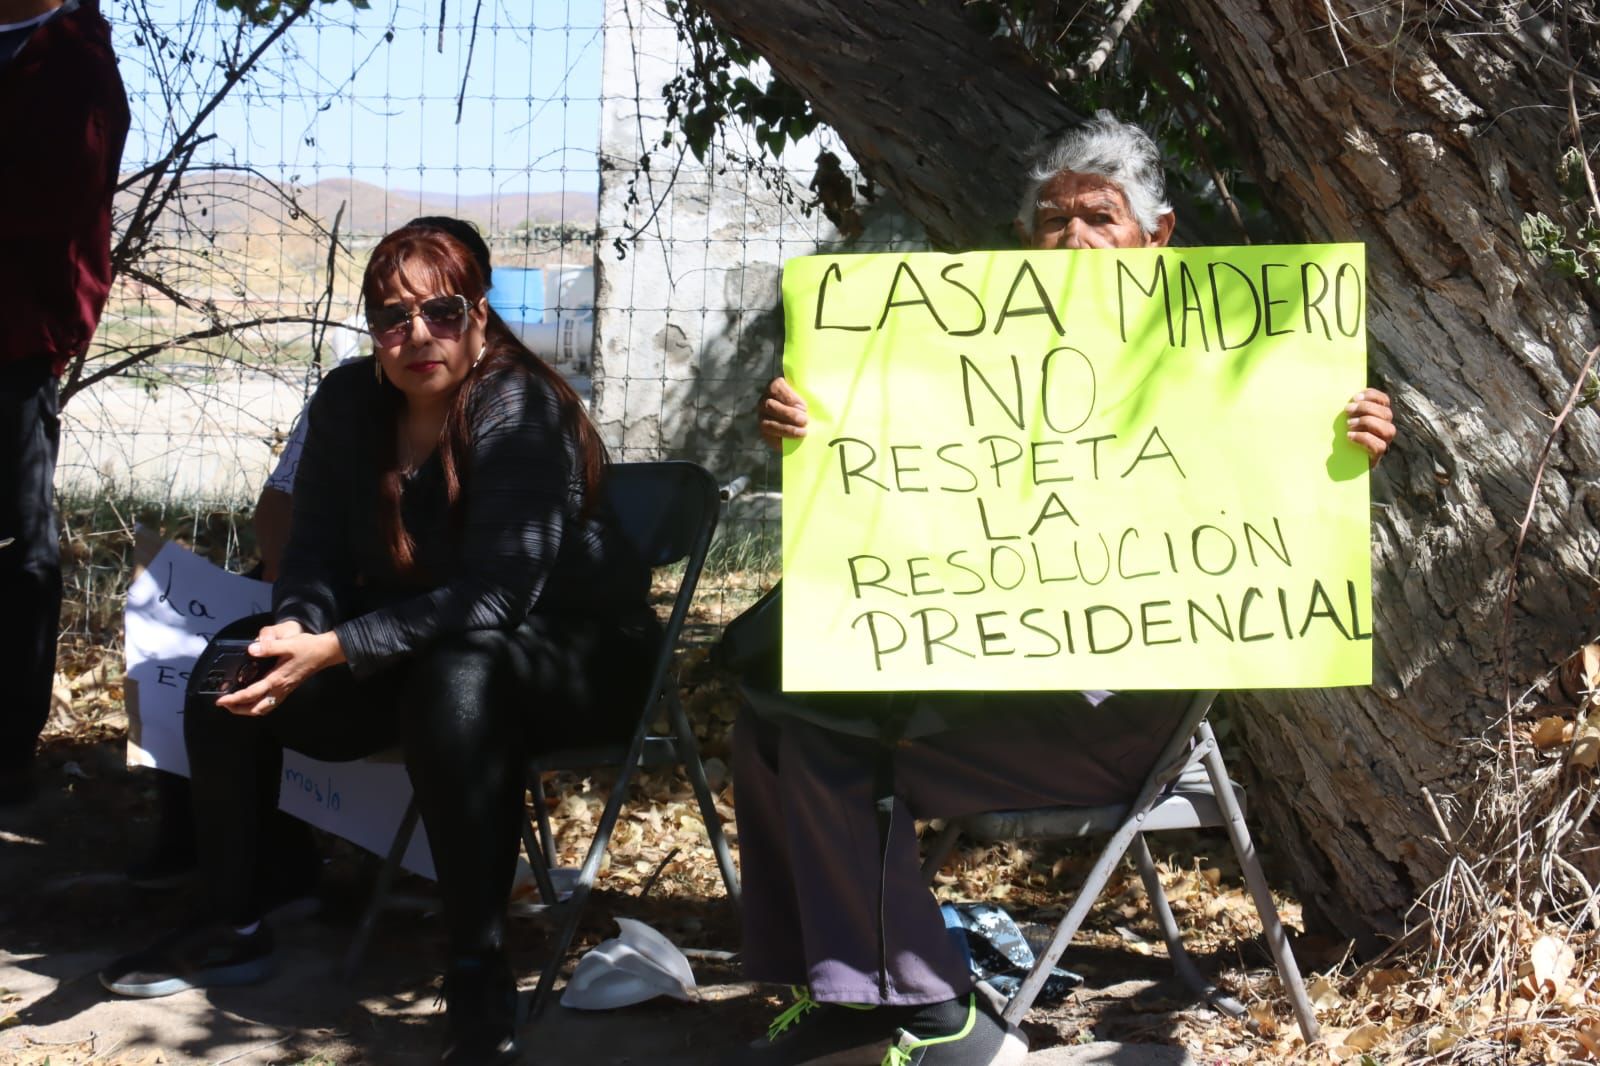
(1370, 423)
(782, 413)
(299, 654)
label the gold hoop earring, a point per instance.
(377, 370)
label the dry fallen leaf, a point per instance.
(1379, 981)
(1551, 732)
(1550, 963)
(1586, 749)
(1265, 1022)
(1580, 676)
(1441, 1038)
(1364, 1037)
(1324, 996)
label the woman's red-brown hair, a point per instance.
(433, 261)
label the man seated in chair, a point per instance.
(833, 900)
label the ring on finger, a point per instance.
(269, 701)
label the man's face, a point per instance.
(1087, 211)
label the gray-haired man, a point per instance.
(833, 900)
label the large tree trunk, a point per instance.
(1427, 142)
(1425, 146)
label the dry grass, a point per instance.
(1500, 965)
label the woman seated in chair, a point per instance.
(454, 584)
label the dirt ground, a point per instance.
(66, 909)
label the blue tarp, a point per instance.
(518, 294)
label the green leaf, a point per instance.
(1540, 234)
(1591, 390)
(1570, 176)
(1566, 262)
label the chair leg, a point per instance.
(571, 913)
(1181, 960)
(541, 810)
(537, 863)
(940, 850)
(1256, 880)
(1167, 766)
(1092, 886)
(573, 908)
(689, 756)
(380, 893)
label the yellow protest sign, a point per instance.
(1076, 470)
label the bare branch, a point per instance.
(324, 305)
(148, 351)
(180, 144)
(1108, 41)
(466, 72)
(134, 273)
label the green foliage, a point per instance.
(1570, 175)
(1148, 74)
(1590, 392)
(266, 12)
(1574, 254)
(717, 86)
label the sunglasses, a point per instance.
(445, 312)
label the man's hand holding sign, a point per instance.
(1094, 465)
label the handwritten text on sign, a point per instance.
(175, 606)
(1076, 470)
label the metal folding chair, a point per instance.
(668, 510)
(1188, 789)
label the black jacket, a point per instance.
(523, 543)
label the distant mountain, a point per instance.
(230, 205)
(230, 239)
(375, 211)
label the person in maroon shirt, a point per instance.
(63, 121)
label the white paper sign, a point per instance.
(175, 606)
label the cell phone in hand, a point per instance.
(227, 666)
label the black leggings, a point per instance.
(466, 712)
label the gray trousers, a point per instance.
(833, 895)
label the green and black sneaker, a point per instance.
(946, 1035)
(809, 1033)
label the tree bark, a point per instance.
(1427, 142)
(939, 115)
(1428, 146)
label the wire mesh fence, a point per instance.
(689, 321)
(265, 161)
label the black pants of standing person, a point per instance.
(30, 566)
(465, 712)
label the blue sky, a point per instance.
(334, 98)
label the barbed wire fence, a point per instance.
(265, 161)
